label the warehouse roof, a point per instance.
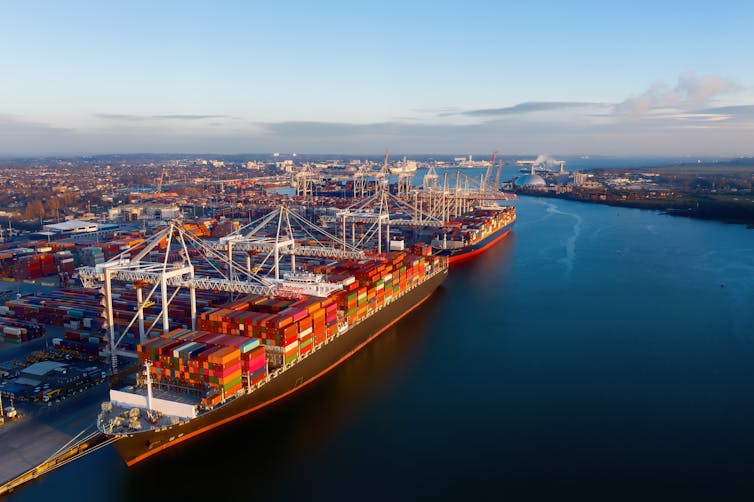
(43, 368)
(70, 225)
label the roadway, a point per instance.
(45, 429)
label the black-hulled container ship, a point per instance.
(474, 233)
(259, 350)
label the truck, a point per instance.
(7, 413)
(50, 395)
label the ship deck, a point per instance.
(168, 395)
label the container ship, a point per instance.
(474, 233)
(257, 350)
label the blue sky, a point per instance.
(615, 78)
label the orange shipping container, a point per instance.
(225, 355)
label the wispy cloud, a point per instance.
(527, 107)
(16, 125)
(735, 111)
(143, 118)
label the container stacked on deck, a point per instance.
(288, 328)
(477, 224)
(292, 328)
(378, 284)
(211, 364)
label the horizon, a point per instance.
(619, 80)
(485, 156)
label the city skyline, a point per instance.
(333, 77)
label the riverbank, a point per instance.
(726, 208)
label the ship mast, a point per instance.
(147, 365)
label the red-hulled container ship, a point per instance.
(258, 350)
(474, 233)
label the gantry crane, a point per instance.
(177, 271)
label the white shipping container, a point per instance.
(188, 345)
(304, 333)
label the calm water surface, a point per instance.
(598, 353)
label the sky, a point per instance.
(355, 77)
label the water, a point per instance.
(597, 354)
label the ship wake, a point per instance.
(570, 243)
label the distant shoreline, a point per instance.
(690, 206)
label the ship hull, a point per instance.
(137, 447)
(462, 254)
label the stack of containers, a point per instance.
(32, 329)
(289, 329)
(82, 343)
(200, 360)
(224, 227)
(7, 264)
(47, 263)
(64, 262)
(18, 331)
(28, 266)
(199, 230)
(90, 256)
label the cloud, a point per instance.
(689, 92)
(737, 111)
(141, 118)
(12, 124)
(21, 137)
(528, 107)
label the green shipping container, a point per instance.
(232, 383)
